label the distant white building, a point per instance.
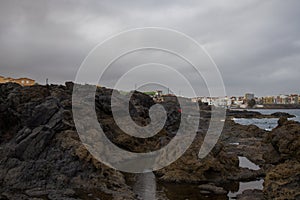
(208, 100)
(224, 102)
(215, 101)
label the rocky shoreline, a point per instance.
(42, 156)
(255, 114)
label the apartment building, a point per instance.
(21, 81)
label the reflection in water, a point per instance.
(188, 191)
(145, 186)
(245, 186)
(245, 163)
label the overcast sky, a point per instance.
(255, 43)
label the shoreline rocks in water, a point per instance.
(255, 114)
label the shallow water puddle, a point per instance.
(145, 186)
(246, 186)
(147, 189)
(246, 163)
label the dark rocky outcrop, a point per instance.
(216, 167)
(285, 139)
(41, 154)
(43, 157)
(282, 114)
(256, 114)
(283, 180)
(243, 114)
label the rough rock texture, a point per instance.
(215, 167)
(283, 180)
(41, 154)
(222, 164)
(43, 157)
(286, 139)
(250, 195)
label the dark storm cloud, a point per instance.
(256, 44)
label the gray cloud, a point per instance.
(256, 44)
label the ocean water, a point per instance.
(268, 123)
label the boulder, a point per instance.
(283, 180)
(216, 167)
(286, 139)
(282, 114)
(282, 120)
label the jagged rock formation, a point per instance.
(41, 155)
(283, 180)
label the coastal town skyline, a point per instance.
(292, 98)
(255, 44)
(149, 100)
